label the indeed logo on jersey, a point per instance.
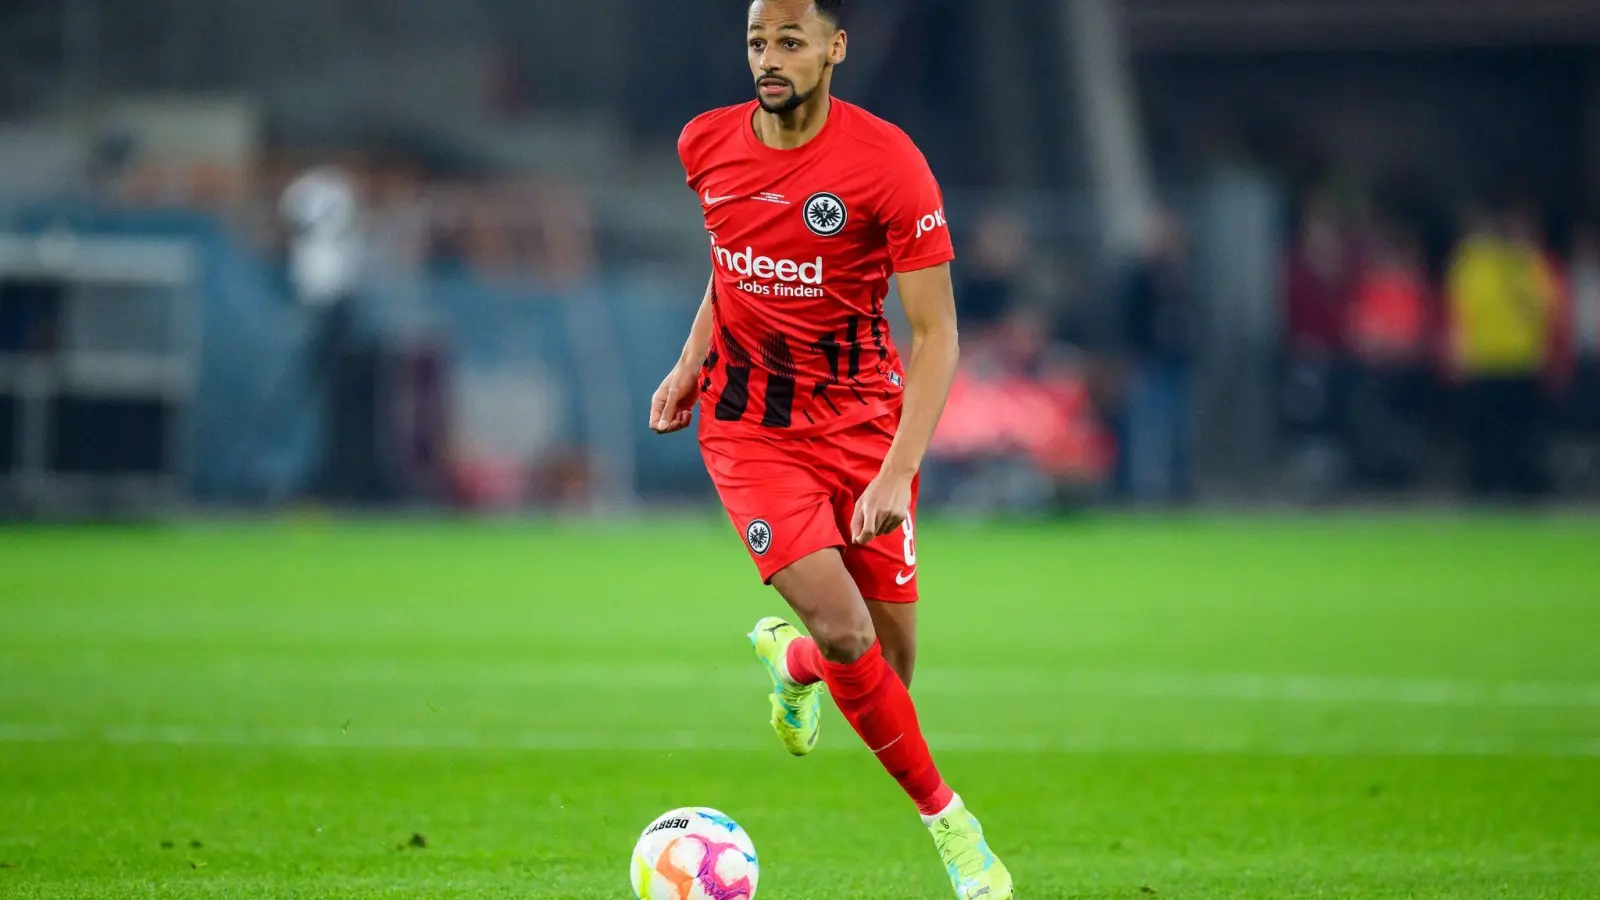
(931, 222)
(794, 279)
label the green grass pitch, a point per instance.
(1196, 708)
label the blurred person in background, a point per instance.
(1388, 334)
(321, 210)
(991, 282)
(1156, 300)
(1319, 281)
(1021, 433)
(1502, 295)
(1584, 281)
(1579, 345)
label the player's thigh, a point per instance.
(821, 592)
(778, 502)
(886, 568)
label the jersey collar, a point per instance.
(836, 108)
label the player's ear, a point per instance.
(837, 47)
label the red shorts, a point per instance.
(790, 497)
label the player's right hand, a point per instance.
(672, 407)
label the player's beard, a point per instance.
(794, 101)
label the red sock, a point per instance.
(804, 661)
(876, 703)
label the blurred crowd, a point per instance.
(1406, 360)
(1023, 429)
(417, 213)
(1475, 366)
(1073, 388)
(1398, 371)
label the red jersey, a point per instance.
(803, 243)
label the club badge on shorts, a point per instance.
(758, 534)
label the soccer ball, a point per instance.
(694, 853)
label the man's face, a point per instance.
(791, 50)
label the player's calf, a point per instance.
(900, 662)
(896, 625)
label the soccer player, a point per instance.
(811, 428)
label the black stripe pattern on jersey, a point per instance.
(707, 368)
(780, 366)
(877, 335)
(853, 329)
(883, 349)
(735, 397)
(782, 378)
(829, 347)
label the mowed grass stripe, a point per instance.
(444, 739)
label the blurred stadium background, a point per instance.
(422, 262)
(428, 253)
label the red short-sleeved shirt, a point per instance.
(803, 243)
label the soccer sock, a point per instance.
(804, 661)
(955, 802)
(876, 703)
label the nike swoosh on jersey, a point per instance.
(713, 201)
(904, 578)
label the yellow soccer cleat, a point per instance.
(796, 708)
(975, 873)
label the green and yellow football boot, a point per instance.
(796, 708)
(975, 872)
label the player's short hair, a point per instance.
(831, 10)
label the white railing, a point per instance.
(129, 330)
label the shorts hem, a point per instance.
(897, 601)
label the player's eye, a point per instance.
(791, 44)
(756, 45)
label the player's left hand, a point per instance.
(672, 407)
(882, 507)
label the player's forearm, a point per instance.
(935, 353)
(699, 342)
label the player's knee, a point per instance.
(845, 642)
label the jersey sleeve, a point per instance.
(912, 210)
(689, 151)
